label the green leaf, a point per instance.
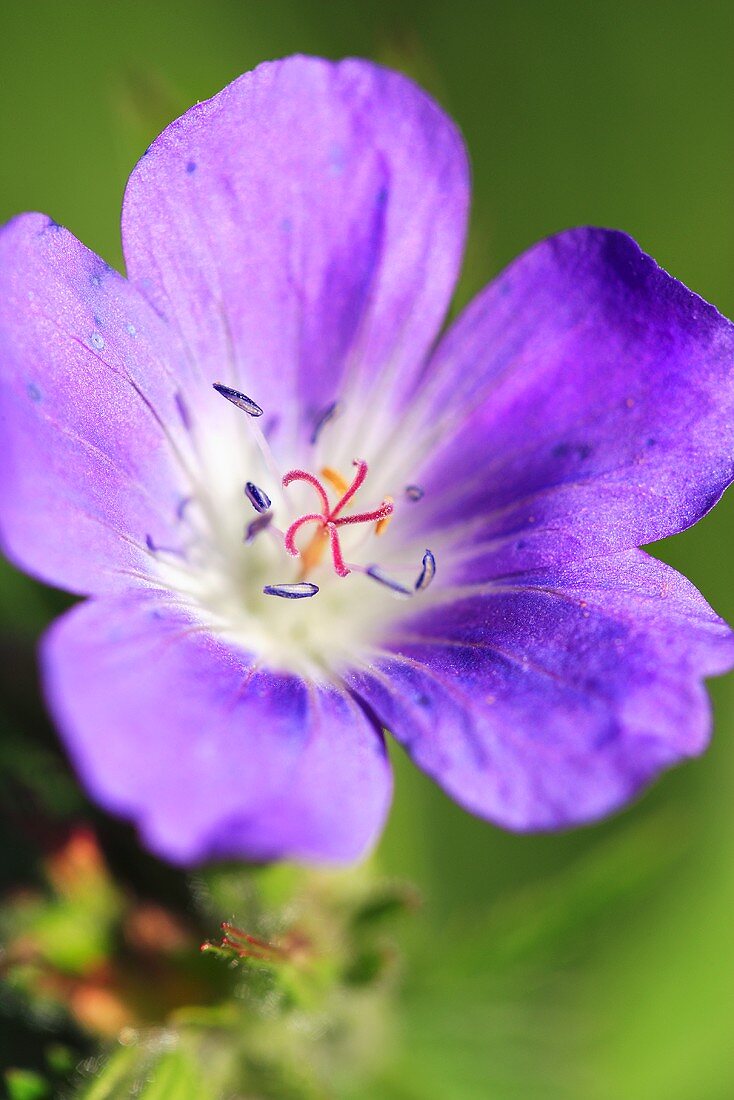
(151, 1072)
(24, 1084)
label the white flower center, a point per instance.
(303, 570)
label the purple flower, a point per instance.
(262, 598)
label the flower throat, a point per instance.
(327, 522)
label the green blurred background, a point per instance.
(597, 965)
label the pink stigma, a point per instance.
(328, 519)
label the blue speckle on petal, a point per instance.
(50, 225)
(33, 391)
(97, 340)
(572, 450)
(191, 166)
(130, 329)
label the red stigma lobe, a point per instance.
(328, 519)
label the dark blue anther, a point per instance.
(241, 400)
(377, 575)
(414, 492)
(323, 419)
(259, 500)
(427, 573)
(257, 526)
(291, 591)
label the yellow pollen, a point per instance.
(381, 525)
(335, 479)
(314, 552)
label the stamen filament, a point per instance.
(264, 448)
(253, 410)
(378, 575)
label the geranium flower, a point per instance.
(253, 458)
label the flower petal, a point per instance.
(89, 465)
(587, 403)
(552, 701)
(210, 755)
(303, 228)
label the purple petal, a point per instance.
(210, 755)
(552, 701)
(587, 400)
(88, 468)
(304, 225)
